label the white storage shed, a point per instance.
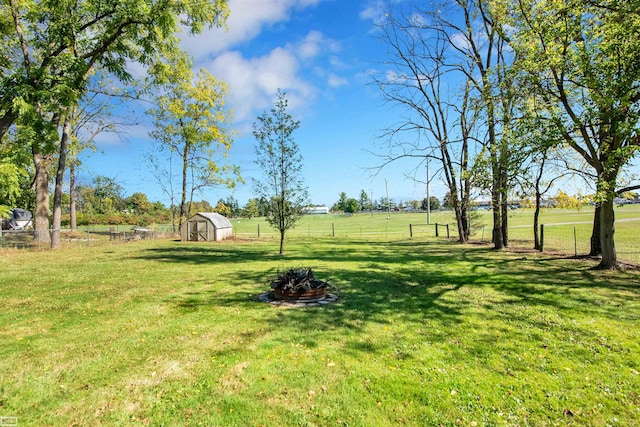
(206, 227)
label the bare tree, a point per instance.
(446, 65)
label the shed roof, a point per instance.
(216, 219)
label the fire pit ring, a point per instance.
(270, 298)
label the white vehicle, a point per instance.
(19, 219)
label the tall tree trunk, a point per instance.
(496, 206)
(607, 232)
(41, 163)
(596, 242)
(504, 211)
(537, 245)
(72, 196)
(183, 197)
(57, 194)
(282, 233)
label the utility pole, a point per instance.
(428, 195)
(388, 202)
(371, 201)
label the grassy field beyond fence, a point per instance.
(425, 332)
(566, 231)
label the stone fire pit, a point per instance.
(298, 288)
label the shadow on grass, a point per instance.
(398, 281)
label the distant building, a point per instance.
(316, 210)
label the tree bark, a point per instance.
(183, 197)
(504, 211)
(72, 197)
(536, 222)
(498, 243)
(282, 233)
(596, 243)
(607, 231)
(41, 163)
(57, 195)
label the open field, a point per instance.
(560, 226)
(566, 231)
(425, 332)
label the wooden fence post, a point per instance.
(333, 230)
(411, 231)
(448, 235)
(437, 230)
(258, 230)
(541, 237)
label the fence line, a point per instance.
(89, 236)
(569, 239)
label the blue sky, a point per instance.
(321, 53)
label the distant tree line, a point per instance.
(348, 204)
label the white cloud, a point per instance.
(374, 12)
(253, 82)
(246, 20)
(314, 44)
(300, 67)
(335, 81)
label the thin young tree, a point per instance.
(190, 120)
(279, 158)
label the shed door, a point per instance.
(198, 231)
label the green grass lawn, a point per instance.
(566, 231)
(425, 332)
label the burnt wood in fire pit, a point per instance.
(298, 285)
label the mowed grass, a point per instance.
(566, 230)
(426, 332)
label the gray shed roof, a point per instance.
(216, 219)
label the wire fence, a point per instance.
(567, 239)
(87, 236)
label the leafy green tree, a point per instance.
(201, 206)
(351, 205)
(434, 203)
(251, 210)
(340, 205)
(563, 201)
(222, 208)
(15, 177)
(581, 60)
(279, 158)
(137, 203)
(103, 196)
(365, 202)
(234, 208)
(49, 51)
(190, 120)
